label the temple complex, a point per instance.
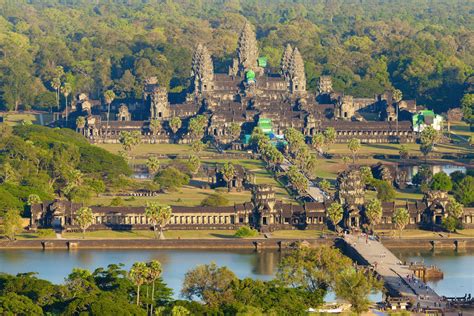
(264, 212)
(247, 93)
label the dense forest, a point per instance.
(423, 47)
(43, 162)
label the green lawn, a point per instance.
(17, 118)
(148, 234)
(186, 196)
(295, 234)
(159, 149)
(418, 233)
(393, 149)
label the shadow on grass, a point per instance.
(223, 236)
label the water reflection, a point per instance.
(55, 265)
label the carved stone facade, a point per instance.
(246, 94)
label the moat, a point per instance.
(55, 265)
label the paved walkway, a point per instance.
(397, 277)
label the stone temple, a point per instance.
(247, 93)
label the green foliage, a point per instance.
(467, 105)
(373, 211)
(84, 218)
(123, 44)
(441, 181)
(159, 215)
(385, 190)
(354, 286)
(117, 201)
(209, 283)
(464, 191)
(354, 146)
(298, 181)
(401, 218)
(215, 199)
(423, 176)
(12, 224)
(312, 269)
(450, 223)
(335, 213)
(14, 304)
(246, 232)
(171, 179)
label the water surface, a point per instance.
(55, 265)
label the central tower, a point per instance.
(247, 53)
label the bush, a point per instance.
(171, 178)
(116, 201)
(215, 199)
(245, 232)
(441, 181)
(42, 233)
(385, 191)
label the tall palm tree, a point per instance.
(55, 84)
(137, 275)
(228, 172)
(66, 90)
(109, 97)
(159, 215)
(155, 127)
(154, 272)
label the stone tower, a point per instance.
(286, 60)
(350, 188)
(156, 98)
(247, 51)
(202, 70)
(296, 73)
(325, 85)
(346, 107)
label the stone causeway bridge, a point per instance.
(399, 280)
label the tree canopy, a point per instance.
(421, 48)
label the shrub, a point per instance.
(171, 178)
(245, 232)
(215, 199)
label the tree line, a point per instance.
(304, 277)
(51, 50)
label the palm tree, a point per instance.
(137, 275)
(153, 164)
(354, 146)
(159, 215)
(228, 172)
(109, 97)
(154, 272)
(66, 90)
(155, 127)
(335, 213)
(80, 123)
(56, 83)
(175, 124)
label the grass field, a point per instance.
(157, 149)
(417, 233)
(186, 196)
(142, 234)
(393, 149)
(17, 118)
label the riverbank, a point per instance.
(224, 243)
